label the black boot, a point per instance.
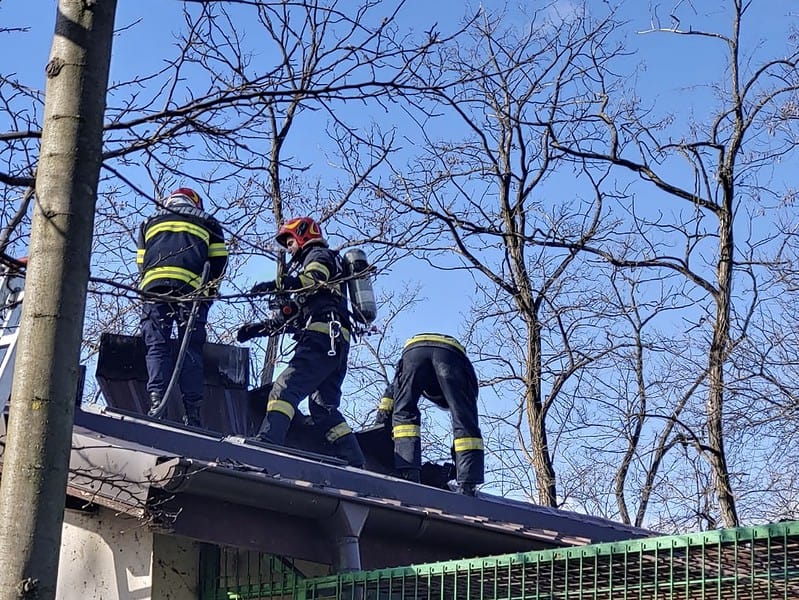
(349, 449)
(274, 429)
(263, 433)
(155, 403)
(467, 489)
(192, 417)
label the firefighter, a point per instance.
(173, 248)
(319, 320)
(435, 366)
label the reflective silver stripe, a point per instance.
(471, 443)
(282, 407)
(432, 337)
(407, 431)
(337, 432)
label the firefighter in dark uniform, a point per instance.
(435, 366)
(173, 248)
(321, 328)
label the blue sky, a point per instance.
(148, 30)
(673, 75)
(673, 70)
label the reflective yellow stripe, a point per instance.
(281, 406)
(407, 431)
(140, 256)
(177, 227)
(334, 287)
(306, 280)
(339, 431)
(386, 404)
(184, 275)
(217, 251)
(319, 268)
(432, 337)
(325, 328)
(464, 444)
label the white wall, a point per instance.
(105, 556)
(175, 568)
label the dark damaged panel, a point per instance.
(122, 376)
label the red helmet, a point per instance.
(185, 193)
(302, 229)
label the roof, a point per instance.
(218, 486)
(230, 491)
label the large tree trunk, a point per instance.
(36, 459)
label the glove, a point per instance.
(382, 417)
(248, 331)
(254, 330)
(265, 287)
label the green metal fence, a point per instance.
(750, 563)
(230, 573)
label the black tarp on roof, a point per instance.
(122, 376)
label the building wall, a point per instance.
(107, 556)
(104, 556)
(175, 568)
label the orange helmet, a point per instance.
(183, 194)
(302, 229)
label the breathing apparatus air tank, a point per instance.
(359, 286)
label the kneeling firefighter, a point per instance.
(435, 366)
(319, 319)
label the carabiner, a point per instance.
(335, 331)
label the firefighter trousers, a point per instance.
(314, 373)
(447, 377)
(157, 321)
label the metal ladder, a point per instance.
(11, 293)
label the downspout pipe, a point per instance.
(344, 528)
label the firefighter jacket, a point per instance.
(317, 286)
(173, 247)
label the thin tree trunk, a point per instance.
(633, 436)
(717, 357)
(542, 458)
(36, 459)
